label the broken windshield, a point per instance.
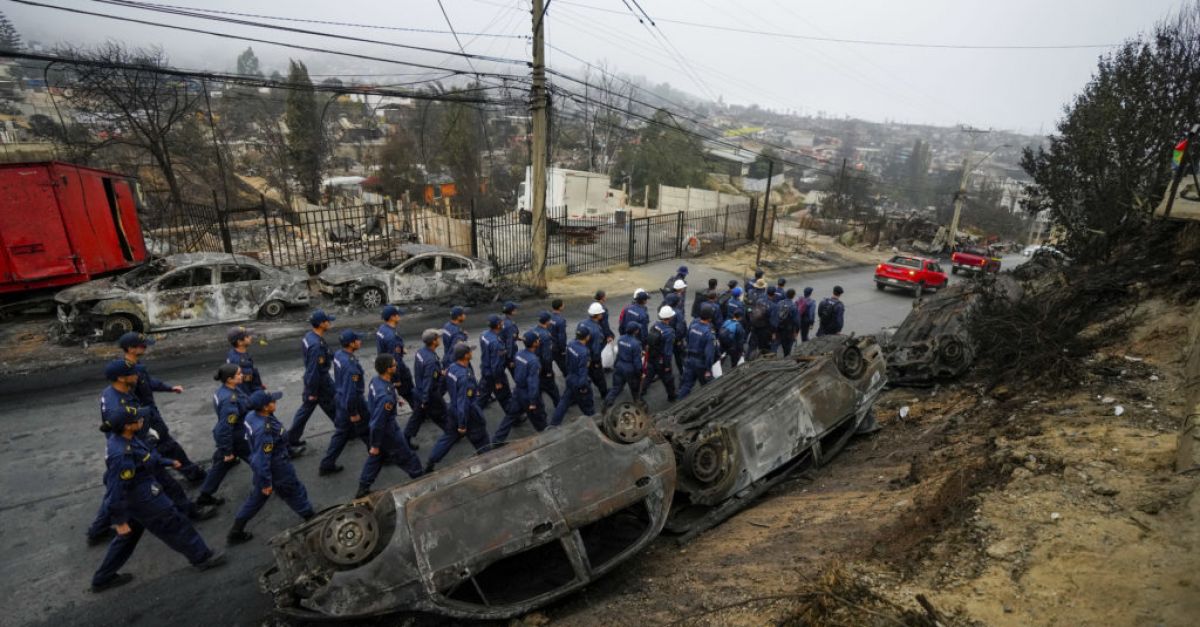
(145, 273)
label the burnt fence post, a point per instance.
(474, 231)
(262, 205)
(222, 224)
(679, 234)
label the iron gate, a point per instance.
(655, 238)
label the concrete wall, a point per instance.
(689, 199)
(1188, 452)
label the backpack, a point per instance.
(825, 311)
(786, 312)
(803, 307)
(723, 303)
(654, 339)
(728, 334)
(760, 313)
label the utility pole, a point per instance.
(959, 198)
(766, 207)
(539, 104)
(841, 199)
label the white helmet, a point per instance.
(595, 309)
(638, 292)
(666, 312)
(679, 284)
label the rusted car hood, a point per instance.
(348, 272)
(100, 289)
(436, 534)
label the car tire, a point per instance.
(879, 286)
(272, 309)
(372, 298)
(953, 270)
(919, 290)
(117, 325)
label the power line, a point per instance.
(840, 40)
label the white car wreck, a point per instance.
(408, 273)
(187, 290)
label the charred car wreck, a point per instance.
(410, 272)
(499, 535)
(187, 290)
(492, 537)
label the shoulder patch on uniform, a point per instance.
(354, 377)
(232, 419)
(320, 360)
(146, 458)
(233, 397)
(127, 474)
(389, 406)
(268, 447)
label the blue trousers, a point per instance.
(784, 341)
(518, 410)
(659, 369)
(168, 447)
(307, 407)
(548, 386)
(488, 390)
(220, 467)
(170, 487)
(622, 378)
(596, 374)
(694, 372)
(392, 449)
(284, 483)
(404, 381)
(581, 396)
(343, 431)
(164, 521)
(434, 411)
(476, 434)
(735, 354)
(560, 359)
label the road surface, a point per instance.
(53, 462)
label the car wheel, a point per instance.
(953, 270)
(879, 286)
(117, 325)
(917, 293)
(371, 298)
(627, 423)
(272, 309)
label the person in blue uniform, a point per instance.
(681, 276)
(386, 441)
(493, 360)
(701, 353)
(577, 390)
(240, 339)
(229, 434)
(715, 306)
(527, 395)
(558, 330)
(318, 385)
(452, 334)
(807, 307)
(427, 387)
(509, 333)
(835, 317)
(596, 342)
(636, 312)
(545, 353)
(660, 349)
(628, 369)
(465, 417)
(117, 400)
(787, 322)
(136, 503)
(701, 297)
(389, 342)
(135, 345)
(735, 303)
(350, 419)
(757, 289)
(272, 466)
(732, 337)
(602, 321)
(679, 322)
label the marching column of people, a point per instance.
(739, 323)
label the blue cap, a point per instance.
(682, 270)
(320, 316)
(581, 331)
(260, 398)
(456, 311)
(781, 281)
(737, 291)
(509, 307)
(632, 327)
(460, 350)
(771, 291)
(808, 291)
(389, 311)
(494, 320)
(117, 368)
(531, 337)
(237, 334)
(133, 338)
(349, 335)
(544, 317)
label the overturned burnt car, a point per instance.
(765, 419)
(186, 290)
(491, 537)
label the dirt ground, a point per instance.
(1002, 508)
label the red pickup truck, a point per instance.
(911, 273)
(973, 260)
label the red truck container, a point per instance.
(62, 224)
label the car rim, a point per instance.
(372, 298)
(349, 536)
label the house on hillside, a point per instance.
(733, 162)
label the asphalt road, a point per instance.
(52, 464)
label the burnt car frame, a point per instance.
(177, 291)
(410, 272)
(491, 537)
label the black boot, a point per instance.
(238, 535)
(208, 499)
(336, 468)
(203, 512)
(118, 579)
(362, 491)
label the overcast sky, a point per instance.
(1022, 90)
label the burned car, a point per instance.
(407, 273)
(765, 419)
(187, 290)
(492, 537)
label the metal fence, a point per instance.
(179, 227)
